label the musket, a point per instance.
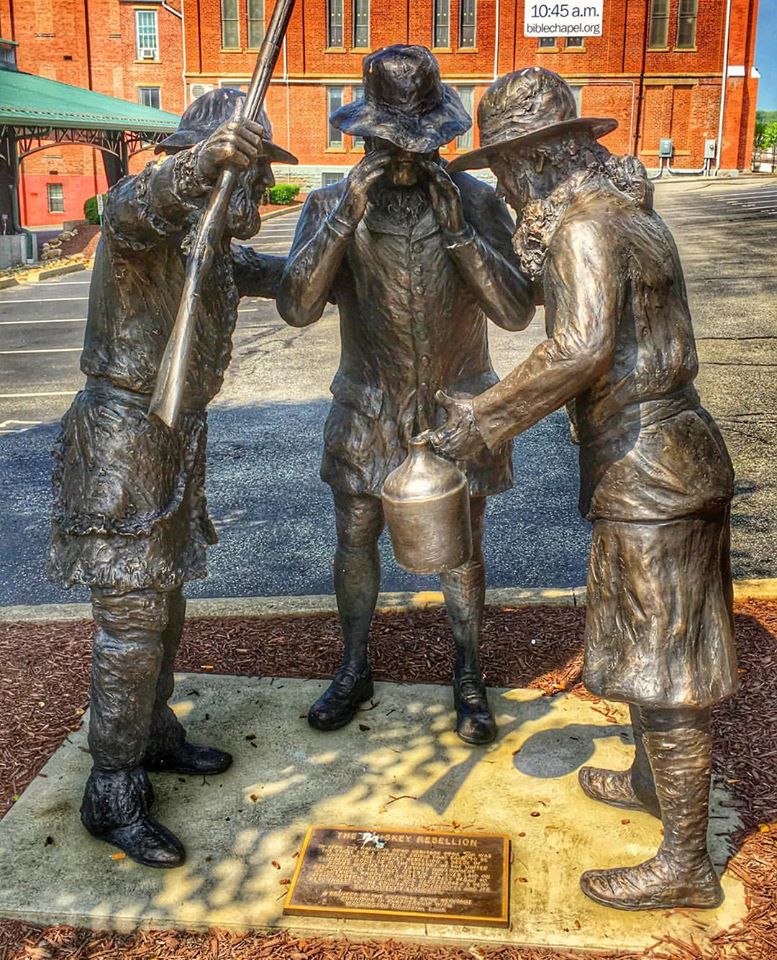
(171, 378)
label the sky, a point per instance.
(766, 54)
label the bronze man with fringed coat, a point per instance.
(656, 480)
(130, 518)
(415, 261)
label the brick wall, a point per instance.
(52, 37)
(668, 92)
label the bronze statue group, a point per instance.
(417, 254)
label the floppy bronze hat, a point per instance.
(404, 102)
(206, 114)
(521, 109)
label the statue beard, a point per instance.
(405, 205)
(243, 217)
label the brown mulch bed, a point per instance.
(44, 691)
(84, 243)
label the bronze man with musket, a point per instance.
(416, 261)
(656, 480)
(130, 518)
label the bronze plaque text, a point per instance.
(402, 875)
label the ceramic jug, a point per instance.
(426, 504)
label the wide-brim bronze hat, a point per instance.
(404, 102)
(525, 108)
(206, 114)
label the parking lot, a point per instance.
(272, 512)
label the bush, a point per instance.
(283, 193)
(90, 209)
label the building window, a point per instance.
(356, 94)
(230, 27)
(577, 93)
(255, 23)
(334, 100)
(573, 42)
(149, 96)
(659, 23)
(442, 19)
(546, 42)
(467, 94)
(361, 23)
(467, 16)
(56, 197)
(334, 31)
(686, 24)
(146, 36)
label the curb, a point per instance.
(279, 213)
(248, 607)
(36, 274)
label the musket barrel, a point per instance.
(171, 379)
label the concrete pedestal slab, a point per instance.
(398, 765)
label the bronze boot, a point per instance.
(681, 874)
(632, 789)
(116, 808)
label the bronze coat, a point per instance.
(413, 308)
(656, 478)
(129, 503)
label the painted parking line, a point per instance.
(25, 323)
(8, 353)
(12, 303)
(32, 396)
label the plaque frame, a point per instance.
(358, 913)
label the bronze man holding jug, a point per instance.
(415, 261)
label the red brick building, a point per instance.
(658, 67)
(129, 50)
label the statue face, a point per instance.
(515, 174)
(243, 218)
(403, 169)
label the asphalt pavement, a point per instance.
(274, 515)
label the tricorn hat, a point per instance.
(206, 114)
(404, 102)
(521, 109)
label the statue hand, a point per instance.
(368, 171)
(459, 437)
(236, 144)
(445, 198)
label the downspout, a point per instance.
(175, 13)
(496, 40)
(723, 83)
(641, 94)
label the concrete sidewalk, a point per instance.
(400, 765)
(510, 597)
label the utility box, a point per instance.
(710, 149)
(665, 147)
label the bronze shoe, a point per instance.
(656, 884)
(337, 705)
(616, 788)
(474, 721)
(191, 758)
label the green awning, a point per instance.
(30, 101)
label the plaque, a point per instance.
(416, 875)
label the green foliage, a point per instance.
(767, 116)
(90, 209)
(283, 193)
(765, 135)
